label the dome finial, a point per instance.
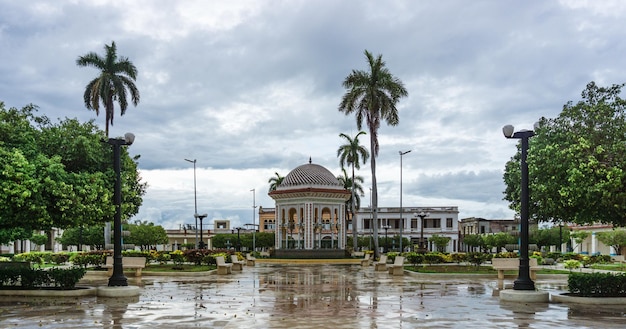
(309, 160)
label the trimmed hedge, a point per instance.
(597, 284)
(35, 278)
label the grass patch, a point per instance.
(173, 268)
(464, 269)
(611, 267)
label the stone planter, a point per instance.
(78, 292)
(569, 299)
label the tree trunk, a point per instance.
(374, 196)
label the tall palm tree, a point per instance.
(275, 181)
(372, 96)
(350, 153)
(353, 183)
(117, 76)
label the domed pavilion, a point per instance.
(310, 214)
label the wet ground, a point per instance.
(307, 296)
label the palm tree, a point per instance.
(275, 181)
(355, 201)
(372, 97)
(349, 153)
(117, 75)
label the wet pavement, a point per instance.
(307, 296)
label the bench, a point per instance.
(222, 266)
(128, 263)
(510, 264)
(250, 260)
(237, 264)
(381, 264)
(397, 268)
(367, 260)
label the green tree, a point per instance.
(475, 241)
(441, 242)
(576, 161)
(117, 77)
(92, 236)
(353, 184)
(275, 181)
(579, 237)
(615, 239)
(57, 175)
(146, 235)
(372, 96)
(552, 236)
(349, 154)
(498, 240)
(38, 239)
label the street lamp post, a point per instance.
(195, 199)
(421, 248)
(386, 227)
(401, 219)
(523, 282)
(238, 238)
(118, 278)
(201, 244)
(253, 220)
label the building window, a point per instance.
(367, 224)
(432, 222)
(449, 222)
(414, 223)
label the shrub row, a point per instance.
(32, 278)
(597, 284)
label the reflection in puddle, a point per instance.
(306, 296)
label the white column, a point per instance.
(594, 243)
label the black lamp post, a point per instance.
(118, 278)
(421, 215)
(523, 282)
(401, 219)
(195, 201)
(386, 228)
(201, 244)
(238, 238)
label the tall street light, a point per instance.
(421, 215)
(523, 282)
(253, 220)
(195, 199)
(401, 219)
(386, 228)
(118, 278)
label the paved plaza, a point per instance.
(306, 296)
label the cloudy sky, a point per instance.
(250, 88)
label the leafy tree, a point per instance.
(441, 242)
(146, 235)
(615, 239)
(579, 237)
(576, 161)
(57, 175)
(350, 153)
(275, 181)
(474, 240)
(498, 240)
(353, 184)
(372, 96)
(92, 236)
(38, 239)
(553, 236)
(117, 76)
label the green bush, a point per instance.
(391, 256)
(459, 257)
(477, 258)
(32, 257)
(571, 255)
(95, 258)
(414, 258)
(434, 258)
(33, 278)
(59, 258)
(66, 278)
(597, 284)
(508, 254)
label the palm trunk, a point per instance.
(374, 196)
(355, 236)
